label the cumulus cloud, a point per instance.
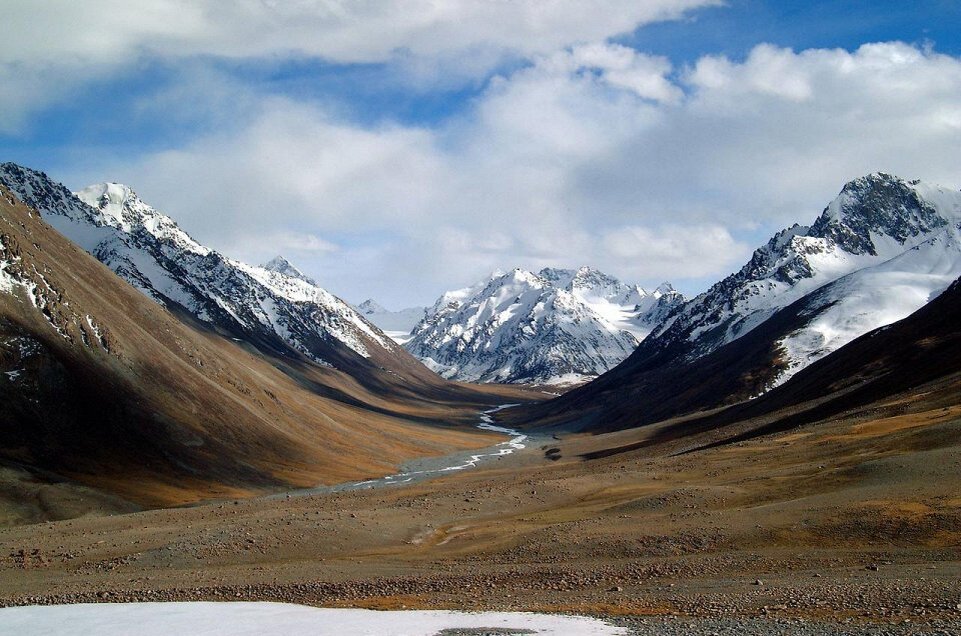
(50, 47)
(618, 67)
(358, 31)
(593, 155)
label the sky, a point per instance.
(399, 149)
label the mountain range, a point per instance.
(882, 249)
(204, 375)
(273, 308)
(164, 373)
(555, 326)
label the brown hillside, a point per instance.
(103, 386)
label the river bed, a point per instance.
(428, 467)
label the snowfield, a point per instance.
(268, 619)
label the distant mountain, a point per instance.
(275, 308)
(881, 250)
(396, 324)
(371, 307)
(553, 327)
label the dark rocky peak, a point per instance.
(879, 203)
(41, 192)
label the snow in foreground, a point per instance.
(161, 619)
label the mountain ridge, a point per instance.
(277, 309)
(103, 386)
(551, 327)
(804, 294)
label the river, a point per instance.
(425, 468)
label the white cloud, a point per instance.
(356, 31)
(291, 244)
(50, 47)
(618, 67)
(674, 251)
(591, 155)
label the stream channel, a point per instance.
(428, 467)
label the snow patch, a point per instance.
(275, 619)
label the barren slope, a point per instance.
(851, 519)
(106, 387)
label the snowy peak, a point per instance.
(592, 286)
(583, 278)
(519, 277)
(453, 299)
(557, 325)
(589, 278)
(665, 289)
(281, 265)
(120, 207)
(878, 252)
(882, 205)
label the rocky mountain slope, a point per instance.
(910, 366)
(881, 250)
(105, 387)
(553, 327)
(900, 238)
(274, 308)
(916, 360)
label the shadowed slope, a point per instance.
(880, 251)
(105, 386)
(908, 368)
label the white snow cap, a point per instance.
(120, 207)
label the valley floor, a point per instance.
(847, 525)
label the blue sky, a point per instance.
(398, 154)
(738, 26)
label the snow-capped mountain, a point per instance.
(881, 250)
(555, 326)
(884, 248)
(396, 324)
(274, 307)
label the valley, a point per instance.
(781, 452)
(480, 318)
(776, 528)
